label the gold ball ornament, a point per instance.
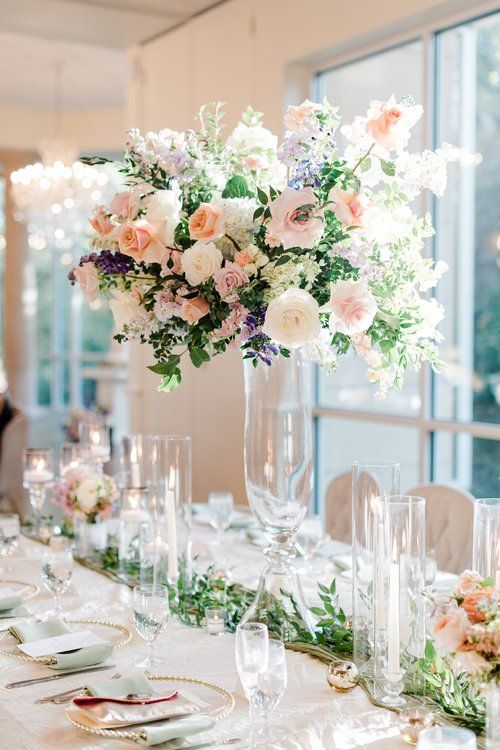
(342, 676)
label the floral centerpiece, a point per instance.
(83, 492)
(467, 627)
(270, 246)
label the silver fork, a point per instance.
(67, 694)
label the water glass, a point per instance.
(220, 506)
(252, 655)
(9, 534)
(57, 569)
(151, 613)
(272, 683)
(446, 738)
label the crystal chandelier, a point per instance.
(54, 197)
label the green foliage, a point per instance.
(237, 187)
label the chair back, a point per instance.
(338, 503)
(13, 442)
(449, 513)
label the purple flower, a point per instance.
(106, 262)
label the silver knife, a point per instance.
(36, 680)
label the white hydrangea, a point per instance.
(293, 273)
(238, 224)
(321, 351)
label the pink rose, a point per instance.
(450, 631)
(101, 223)
(295, 218)
(193, 310)
(228, 279)
(382, 127)
(174, 256)
(352, 307)
(296, 116)
(468, 582)
(143, 240)
(88, 278)
(347, 207)
(207, 222)
(125, 205)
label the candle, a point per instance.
(173, 569)
(214, 620)
(38, 476)
(135, 475)
(380, 574)
(99, 451)
(393, 644)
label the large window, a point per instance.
(442, 428)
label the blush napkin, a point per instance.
(82, 657)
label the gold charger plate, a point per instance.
(26, 590)
(122, 635)
(221, 700)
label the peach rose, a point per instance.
(228, 279)
(382, 127)
(477, 602)
(296, 116)
(207, 222)
(450, 631)
(143, 240)
(125, 204)
(193, 310)
(468, 660)
(352, 307)
(101, 223)
(243, 258)
(295, 218)
(86, 275)
(347, 207)
(255, 162)
(176, 265)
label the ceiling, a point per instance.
(89, 38)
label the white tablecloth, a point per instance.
(310, 716)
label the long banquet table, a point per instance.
(310, 716)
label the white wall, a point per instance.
(241, 52)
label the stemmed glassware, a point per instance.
(97, 435)
(73, 455)
(310, 537)
(9, 536)
(220, 506)
(57, 569)
(151, 613)
(38, 476)
(252, 656)
(272, 683)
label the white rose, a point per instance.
(248, 138)
(165, 205)
(87, 494)
(292, 319)
(125, 308)
(200, 261)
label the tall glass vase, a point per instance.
(279, 475)
(486, 538)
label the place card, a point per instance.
(60, 643)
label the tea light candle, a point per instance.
(446, 738)
(99, 451)
(215, 618)
(38, 476)
(412, 721)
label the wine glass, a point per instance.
(151, 613)
(272, 683)
(57, 569)
(220, 506)
(9, 535)
(252, 654)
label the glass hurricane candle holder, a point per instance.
(486, 538)
(134, 512)
(137, 459)
(73, 455)
(369, 481)
(38, 477)
(414, 720)
(215, 618)
(447, 738)
(153, 552)
(399, 606)
(97, 435)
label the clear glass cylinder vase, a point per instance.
(279, 471)
(90, 537)
(398, 604)
(486, 538)
(370, 480)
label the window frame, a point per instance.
(427, 32)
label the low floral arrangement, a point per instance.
(85, 493)
(266, 246)
(467, 627)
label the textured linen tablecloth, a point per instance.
(310, 716)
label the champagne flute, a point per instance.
(252, 654)
(9, 536)
(151, 613)
(220, 506)
(57, 570)
(272, 683)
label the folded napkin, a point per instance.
(82, 657)
(9, 602)
(175, 730)
(135, 683)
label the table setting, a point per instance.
(187, 625)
